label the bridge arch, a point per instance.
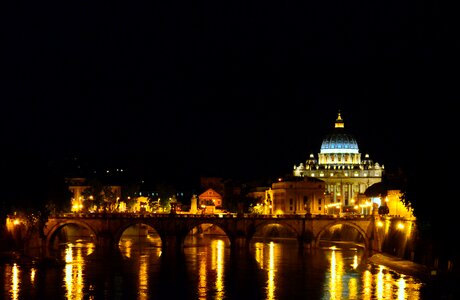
(326, 228)
(54, 230)
(223, 226)
(121, 230)
(219, 228)
(265, 223)
(259, 227)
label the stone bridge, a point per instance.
(107, 228)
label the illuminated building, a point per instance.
(79, 187)
(210, 200)
(345, 174)
(296, 196)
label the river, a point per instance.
(209, 269)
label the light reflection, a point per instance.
(343, 282)
(336, 274)
(68, 253)
(143, 277)
(259, 254)
(219, 247)
(74, 270)
(355, 261)
(383, 285)
(379, 282)
(271, 272)
(32, 275)
(333, 270)
(273, 252)
(126, 247)
(367, 285)
(90, 248)
(401, 288)
(202, 277)
(389, 282)
(353, 286)
(15, 282)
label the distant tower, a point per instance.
(339, 164)
(193, 206)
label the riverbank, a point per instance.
(402, 266)
(439, 285)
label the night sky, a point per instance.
(181, 89)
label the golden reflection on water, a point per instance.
(383, 285)
(353, 286)
(32, 275)
(355, 261)
(218, 247)
(379, 285)
(379, 289)
(271, 271)
(367, 285)
(74, 269)
(210, 263)
(15, 282)
(145, 251)
(143, 277)
(401, 288)
(269, 260)
(345, 278)
(336, 273)
(203, 276)
(126, 247)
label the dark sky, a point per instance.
(234, 89)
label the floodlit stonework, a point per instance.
(342, 176)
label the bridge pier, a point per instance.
(105, 243)
(304, 244)
(376, 236)
(239, 243)
(172, 243)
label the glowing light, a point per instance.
(271, 272)
(355, 261)
(219, 249)
(126, 246)
(333, 276)
(367, 283)
(32, 275)
(15, 282)
(68, 254)
(401, 288)
(73, 279)
(353, 287)
(259, 254)
(68, 280)
(379, 290)
(202, 277)
(143, 278)
(400, 226)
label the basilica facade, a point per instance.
(341, 166)
(342, 177)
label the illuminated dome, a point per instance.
(339, 141)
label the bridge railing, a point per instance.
(188, 215)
